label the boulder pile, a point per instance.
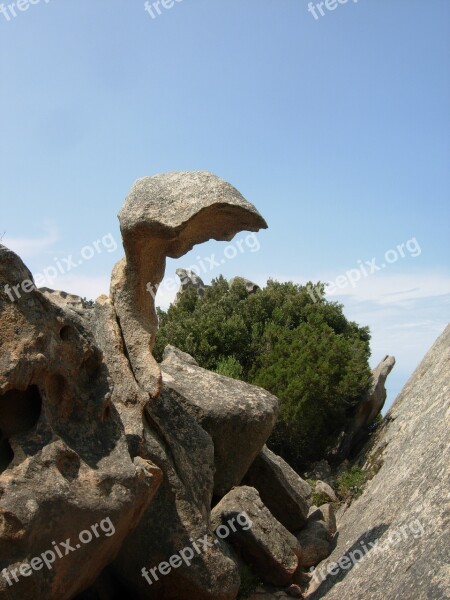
(123, 478)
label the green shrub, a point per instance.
(229, 367)
(351, 483)
(298, 346)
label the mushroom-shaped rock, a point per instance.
(165, 216)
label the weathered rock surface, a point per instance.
(285, 493)
(266, 546)
(189, 280)
(82, 443)
(324, 489)
(91, 436)
(326, 514)
(65, 300)
(238, 416)
(65, 464)
(272, 593)
(294, 591)
(365, 413)
(266, 594)
(179, 514)
(405, 507)
(373, 404)
(165, 216)
(315, 540)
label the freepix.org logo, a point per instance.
(62, 266)
(366, 551)
(59, 550)
(14, 9)
(185, 556)
(317, 8)
(154, 8)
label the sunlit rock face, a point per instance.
(87, 433)
(165, 216)
(399, 526)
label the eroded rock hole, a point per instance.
(67, 333)
(68, 464)
(107, 412)
(19, 412)
(6, 453)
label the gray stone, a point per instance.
(373, 404)
(177, 355)
(189, 280)
(294, 591)
(405, 507)
(325, 490)
(238, 416)
(171, 438)
(282, 490)
(326, 514)
(268, 547)
(179, 514)
(65, 300)
(365, 413)
(315, 541)
(320, 470)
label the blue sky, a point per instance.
(337, 129)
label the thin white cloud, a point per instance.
(91, 287)
(30, 247)
(384, 288)
(387, 289)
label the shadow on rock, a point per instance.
(330, 573)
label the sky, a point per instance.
(335, 126)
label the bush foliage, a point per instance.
(351, 483)
(297, 346)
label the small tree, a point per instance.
(295, 344)
(230, 367)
